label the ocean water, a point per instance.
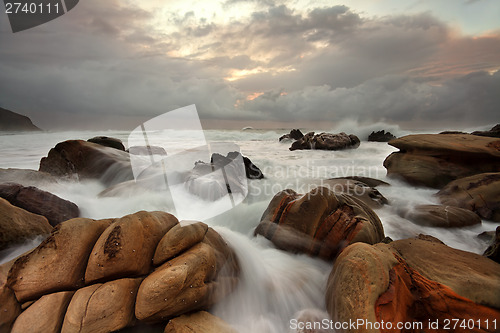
(275, 286)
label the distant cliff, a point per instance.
(11, 121)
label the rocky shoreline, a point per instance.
(148, 269)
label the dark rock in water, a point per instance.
(493, 251)
(147, 150)
(494, 132)
(479, 193)
(326, 141)
(87, 160)
(18, 225)
(381, 136)
(434, 160)
(372, 182)
(11, 121)
(36, 201)
(294, 134)
(441, 216)
(412, 280)
(251, 170)
(108, 142)
(320, 223)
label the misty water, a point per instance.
(275, 286)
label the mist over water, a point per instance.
(275, 286)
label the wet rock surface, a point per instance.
(326, 141)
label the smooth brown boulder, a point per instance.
(319, 223)
(9, 306)
(59, 262)
(87, 160)
(45, 315)
(434, 160)
(107, 141)
(479, 193)
(40, 202)
(127, 246)
(198, 322)
(493, 250)
(178, 239)
(102, 308)
(18, 225)
(441, 216)
(412, 280)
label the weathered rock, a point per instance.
(441, 216)
(36, 201)
(493, 251)
(193, 280)
(45, 315)
(18, 225)
(479, 193)
(319, 223)
(434, 160)
(294, 134)
(102, 308)
(59, 262)
(494, 132)
(381, 136)
(108, 142)
(372, 182)
(11, 121)
(181, 237)
(326, 141)
(412, 280)
(9, 306)
(127, 246)
(88, 160)
(358, 189)
(147, 150)
(201, 321)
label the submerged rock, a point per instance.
(326, 141)
(412, 280)
(36, 201)
(26, 177)
(107, 141)
(381, 136)
(319, 223)
(441, 216)
(434, 160)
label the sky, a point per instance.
(116, 63)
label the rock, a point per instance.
(147, 150)
(294, 134)
(372, 182)
(434, 160)
(412, 280)
(9, 306)
(127, 246)
(88, 160)
(36, 201)
(479, 193)
(178, 239)
(59, 262)
(326, 141)
(26, 177)
(381, 136)
(102, 308)
(367, 194)
(18, 225)
(319, 223)
(201, 321)
(11, 121)
(494, 132)
(251, 170)
(453, 132)
(441, 216)
(493, 251)
(194, 280)
(108, 142)
(45, 315)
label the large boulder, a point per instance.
(479, 193)
(201, 321)
(18, 225)
(326, 141)
(11, 121)
(381, 136)
(107, 141)
(434, 160)
(319, 223)
(441, 216)
(412, 280)
(36, 201)
(87, 160)
(10, 308)
(356, 188)
(294, 134)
